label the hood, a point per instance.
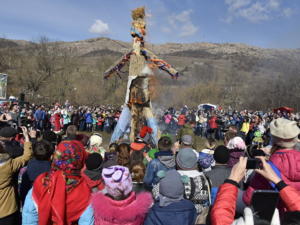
(168, 161)
(37, 167)
(128, 210)
(287, 161)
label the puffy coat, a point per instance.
(287, 161)
(182, 212)
(223, 211)
(8, 167)
(131, 211)
(30, 213)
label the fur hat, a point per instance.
(284, 132)
(236, 143)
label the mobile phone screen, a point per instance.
(253, 164)
(264, 203)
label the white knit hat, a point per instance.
(285, 132)
(95, 140)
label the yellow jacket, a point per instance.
(245, 127)
(8, 168)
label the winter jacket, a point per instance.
(13, 148)
(30, 213)
(163, 161)
(131, 211)
(32, 171)
(287, 162)
(218, 174)
(8, 167)
(213, 122)
(181, 213)
(88, 118)
(94, 185)
(181, 120)
(223, 211)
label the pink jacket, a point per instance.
(288, 163)
(131, 211)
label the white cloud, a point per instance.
(255, 11)
(99, 27)
(287, 12)
(181, 24)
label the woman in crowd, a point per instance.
(9, 214)
(123, 153)
(223, 211)
(95, 144)
(236, 147)
(284, 158)
(40, 163)
(120, 205)
(60, 196)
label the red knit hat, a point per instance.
(145, 130)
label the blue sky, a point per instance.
(264, 23)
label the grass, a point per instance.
(106, 139)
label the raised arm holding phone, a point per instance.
(223, 211)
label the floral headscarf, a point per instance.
(68, 158)
(62, 194)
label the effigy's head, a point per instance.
(138, 28)
(138, 13)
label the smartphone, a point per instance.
(254, 164)
(264, 202)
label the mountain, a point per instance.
(217, 70)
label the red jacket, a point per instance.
(223, 211)
(287, 161)
(181, 119)
(213, 122)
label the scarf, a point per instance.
(62, 195)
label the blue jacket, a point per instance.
(181, 213)
(163, 161)
(88, 118)
(39, 115)
(30, 214)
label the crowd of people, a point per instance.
(53, 173)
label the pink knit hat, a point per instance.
(117, 180)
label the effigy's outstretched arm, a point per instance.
(159, 63)
(116, 68)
